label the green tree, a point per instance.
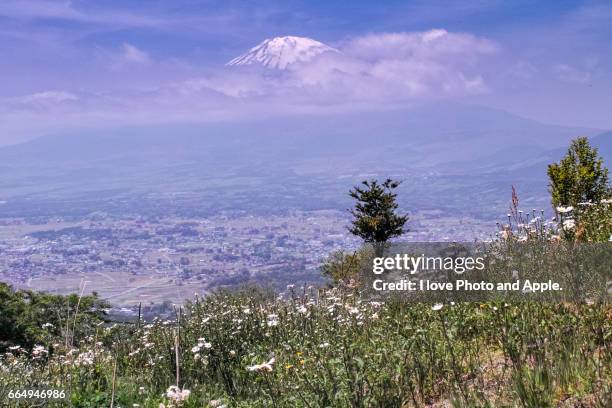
(28, 318)
(375, 218)
(579, 177)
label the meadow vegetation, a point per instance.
(331, 348)
(333, 345)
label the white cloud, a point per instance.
(434, 44)
(133, 54)
(428, 63)
(392, 67)
(127, 56)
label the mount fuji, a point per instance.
(282, 52)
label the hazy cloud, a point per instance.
(571, 74)
(376, 69)
(66, 10)
(43, 98)
(522, 70)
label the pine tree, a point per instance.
(375, 218)
(579, 177)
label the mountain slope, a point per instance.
(444, 136)
(445, 153)
(281, 52)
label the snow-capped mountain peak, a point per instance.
(281, 52)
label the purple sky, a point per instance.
(70, 65)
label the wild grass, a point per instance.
(332, 348)
(338, 347)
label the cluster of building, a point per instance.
(223, 247)
(137, 258)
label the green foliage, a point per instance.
(594, 221)
(375, 218)
(334, 348)
(343, 267)
(28, 318)
(579, 177)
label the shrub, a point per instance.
(28, 318)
